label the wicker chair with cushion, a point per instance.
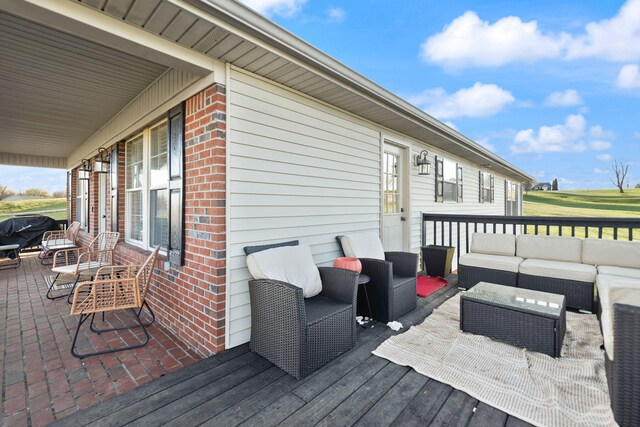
(70, 265)
(54, 241)
(297, 329)
(117, 288)
(392, 290)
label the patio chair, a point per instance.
(54, 241)
(118, 288)
(392, 290)
(12, 253)
(296, 333)
(69, 265)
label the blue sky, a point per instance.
(552, 86)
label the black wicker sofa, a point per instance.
(612, 266)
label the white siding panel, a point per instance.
(298, 169)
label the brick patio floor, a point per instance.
(40, 380)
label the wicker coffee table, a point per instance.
(522, 317)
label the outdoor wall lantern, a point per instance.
(85, 170)
(101, 164)
(423, 164)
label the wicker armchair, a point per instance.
(54, 241)
(69, 265)
(117, 288)
(392, 290)
(299, 334)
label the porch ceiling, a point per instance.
(58, 89)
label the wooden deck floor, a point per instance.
(239, 387)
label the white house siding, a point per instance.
(298, 169)
(423, 199)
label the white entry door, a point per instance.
(102, 202)
(393, 203)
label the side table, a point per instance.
(363, 280)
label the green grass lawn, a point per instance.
(585, 203)
(11, 209)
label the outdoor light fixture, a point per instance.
(101, 164)
(423, 164)
(85, 170)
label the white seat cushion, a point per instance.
(558, 270)
(611, 290)
(71, 269)
(610, 270)
(493, 262)
(58, 247)
(611, 252)
(56, 242)
(493, 244)
(362, 245)
(290, 264)
(553, 248)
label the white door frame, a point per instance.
(406, 182)
(102, 202)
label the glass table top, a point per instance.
(550, 305)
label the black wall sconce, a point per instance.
(101, 164)
(85, 170)
(423, 164)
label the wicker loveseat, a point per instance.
(300, 334)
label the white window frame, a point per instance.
(483, 178)
(146, 188)
(458, 184)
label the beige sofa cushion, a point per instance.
(558, 270)
(611, 252)
(553, 248)
(493, 262)
(362, 245)
(611, 290)
(493, 244)
(611, 270)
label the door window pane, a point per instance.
(390, 182)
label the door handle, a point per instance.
(403, 218)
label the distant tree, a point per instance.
(554, 185)
(527, 187)
(637, 185)
(36, 192)
(5, 192)
(59, 194)
(620, 171)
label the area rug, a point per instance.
(427, 285)
(568, 391)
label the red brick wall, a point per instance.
(190, 300)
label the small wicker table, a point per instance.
(521, 317)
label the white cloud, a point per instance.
(557, 138)
(615, 39)
(572, 136)
(470, 41)
(604, 157)
(629, 77)
(336, 14)
(600, 145)
(600, 171)
(567, 98)
(451, 125)
(276, 7)
(480, 100)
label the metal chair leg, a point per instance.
(84, 317)
(53, 282)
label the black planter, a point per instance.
(437, 259)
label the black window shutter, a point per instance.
(493, 191)
(113, 178)
(459, 170)
(481, 186)
(175, 245)
(439, 180)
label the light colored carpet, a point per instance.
(568, 391)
